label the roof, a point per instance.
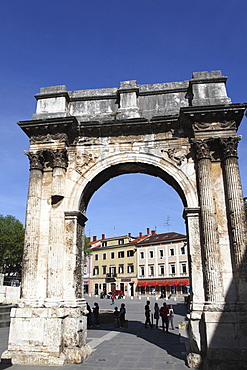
(158, 238)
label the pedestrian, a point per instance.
(122, 315)
(171, 315)
(89, 316)
(163, 313)
(112, 298)
(147, 314)
(96, 314)
(156, 313)
(116, 315)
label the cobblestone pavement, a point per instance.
(134, 347)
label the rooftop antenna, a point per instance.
(167, 223)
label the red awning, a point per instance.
(171, 282)
(183, 282)
(161, 283)
(141, 283)
(151, 283)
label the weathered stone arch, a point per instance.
(150, 165)
(183, 132)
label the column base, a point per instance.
(218, 338)
(47, 336)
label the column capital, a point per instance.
(59, 158)
(229, 146)
(76, 215)
(202, 149)
(36, 160)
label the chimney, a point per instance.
(140, 235)
(129, 235)
(103, 236)
(94, 238)
(153, 232)
(148, 231)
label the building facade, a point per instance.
(147, 264)
(163, 264)
(114, 263)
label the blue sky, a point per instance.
(95, 44)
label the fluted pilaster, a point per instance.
(235, 208)
(210, 243)
(32, 233)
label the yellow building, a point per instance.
(114, 265)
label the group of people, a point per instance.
(166, 314)
(93, 316)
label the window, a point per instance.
(161, 253)
(151, 254)
(183, 249)
(112, 271)
(96, 257)
(104, 270)
(120, 241)
(104, 256)
(183, 268)
(104, 244)
(121, 254)
(130, 253)
(172, 252)
(141, 255)
(130, 268)
(173, 268)
(121, 269)
(162, 269)
(151, 270)
(96, 270)
(112, 255)
(141, 270)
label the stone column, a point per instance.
(210, 244)
(236, 213)
(74, 258)
(56, 265)
(32, 233)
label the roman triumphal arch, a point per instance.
(183, 132)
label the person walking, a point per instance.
(156, 313)
(122, 315)
(163, 313)
(170, 317)
(96, 314)
(112, 298)
(147, 314)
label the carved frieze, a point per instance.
(49, 138)
(36, 160)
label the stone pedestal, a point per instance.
(47, 335)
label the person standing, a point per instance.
(122, 315)
(96, 314)
(116, 318)
(147, 314)
(163, 313)
(171, 315)
(156, 313)
(112, 298)
(89, 316)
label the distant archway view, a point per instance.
(183, 133)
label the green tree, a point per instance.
(87, 247)
(11, 245)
